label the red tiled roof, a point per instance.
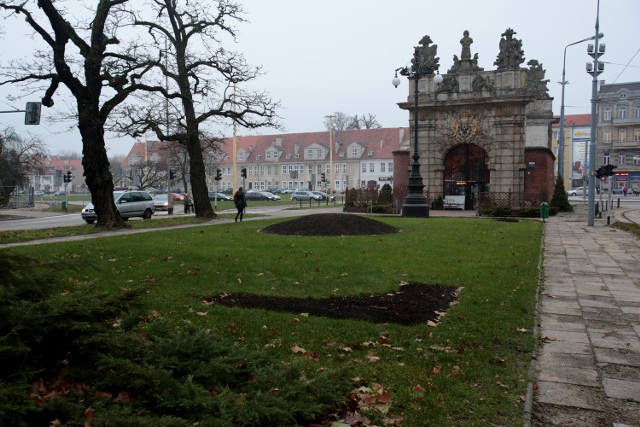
(575, 120)
(380, 142)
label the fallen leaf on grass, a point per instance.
(436, 370)
(373, 359)
(418, 389)
(523, 330)
(297, 349)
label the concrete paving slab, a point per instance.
(570, 395)
(619, 389)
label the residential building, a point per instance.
(360, 159)
(50, 178)
(618, 134)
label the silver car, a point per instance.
(130, 204)
(305, 195)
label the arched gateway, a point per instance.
(484, 135)
(465, 173)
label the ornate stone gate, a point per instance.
(506, 113)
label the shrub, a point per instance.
(79, 356)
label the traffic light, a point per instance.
(32, 113)
(322, 177)
(243, 172)
(218, 175)
(600, 172)
(609, 170)
(171, 174)
(67, 177)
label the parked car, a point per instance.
(270, 195)
(130, 204)
(38, 193)
(161, 202)
(323, 196)
(578, 191)
(220, 196)
(255, 195)
(176, 197)
(304, 195)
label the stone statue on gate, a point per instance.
(511, 54)
(465, 64)
(535, 83)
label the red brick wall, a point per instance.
(539, 178)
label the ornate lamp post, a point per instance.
(415, 205)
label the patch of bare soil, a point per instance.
(411, 304)
(330, 224)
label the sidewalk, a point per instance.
(587, 370)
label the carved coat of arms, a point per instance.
(464, 127)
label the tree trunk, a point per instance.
(201, 202)
(96, 169)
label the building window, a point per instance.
(372, 167)
(606, 114)
(605, 158)
(310, 153)
(382, 167)
(345, 168)
(284, 169)
(636, 160)
(555, 135)
(364, 167)
(622, 112)
(319, 151)
(606, 136)
(390, 166)
(637, 111)
(310, 169)
(327, 168)
(621, 159)
(319, 169)
(636, 135)
(354, 152)
(622, 135)
(337, 168)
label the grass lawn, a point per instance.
(470, 369)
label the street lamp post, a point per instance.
(563, 83)
(594, 69)
(415, 205)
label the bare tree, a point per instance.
(199, 75)
(369, 121)
(148, 174)
(341, 121)
(86, 57)
(19, 156)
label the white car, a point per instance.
(130, 204)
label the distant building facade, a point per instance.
(360, 159)
(618, 132)
(577, 135)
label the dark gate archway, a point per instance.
(466, 173)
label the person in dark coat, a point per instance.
(240, 202)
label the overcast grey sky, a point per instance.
(340, 55)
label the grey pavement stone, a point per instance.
(570, 395)
(563, 335)
(548, 358)
(618, 389)
(570, 375)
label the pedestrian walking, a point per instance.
(625, 190)
(240, 202)
(188, 202)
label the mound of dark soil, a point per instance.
(411, 304)
(330, 224)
